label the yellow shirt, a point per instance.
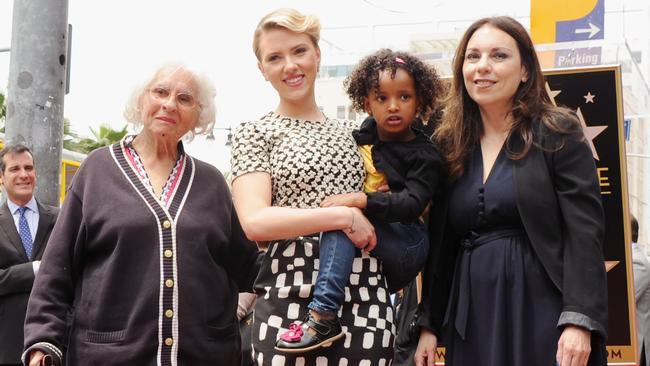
(374, 178)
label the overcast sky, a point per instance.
(116, 44)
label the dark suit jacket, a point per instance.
(17, 277)
(558, 198)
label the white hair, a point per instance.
(206, 93)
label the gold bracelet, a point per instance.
(351, 228)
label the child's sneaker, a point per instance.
(299, 338)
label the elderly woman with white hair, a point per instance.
(147, 251)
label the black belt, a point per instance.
(472, 241)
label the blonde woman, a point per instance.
(284, 165)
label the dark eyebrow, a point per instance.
(499, 48)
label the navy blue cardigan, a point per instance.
(149, 285)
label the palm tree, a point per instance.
(69, 136)
(3, 110)
(105, 136)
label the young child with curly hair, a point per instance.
(395, 89)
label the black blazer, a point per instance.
(558, 197)
(17, 277)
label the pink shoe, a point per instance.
(294, 334)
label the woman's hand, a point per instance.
(574, 346)
(426, 352)
(35, 358)
(361, 232)
(354, 199)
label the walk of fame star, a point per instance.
(590, 133)
(551, 93)
(610, 264)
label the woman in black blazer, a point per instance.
(518, 275)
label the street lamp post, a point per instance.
(210, 136)
(36, 87)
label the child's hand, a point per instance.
(384, 188)
(354, 199)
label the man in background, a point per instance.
(25, 227)
(641, 267)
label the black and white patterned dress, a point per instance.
(308, 161)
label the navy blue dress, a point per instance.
(506, 308)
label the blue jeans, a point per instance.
(402, 249)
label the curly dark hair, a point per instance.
(365, 78)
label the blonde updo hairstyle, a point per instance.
(205, 96)
(289, 19)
